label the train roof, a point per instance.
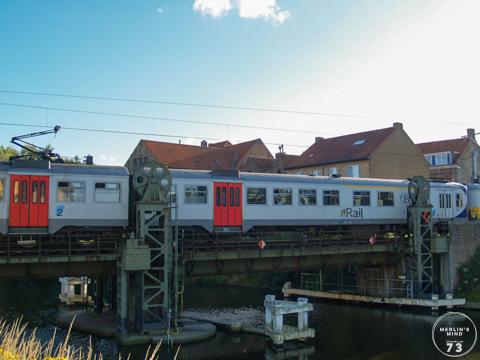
(66, 169)
(293, 178)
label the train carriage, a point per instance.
(37, 197)
(221, 202)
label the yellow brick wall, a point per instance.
(398, 158)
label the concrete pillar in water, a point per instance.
(303, 316)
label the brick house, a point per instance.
(246, 156)
(383, 153)
(454, 159)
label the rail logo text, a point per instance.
(352, 213)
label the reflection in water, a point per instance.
(342, 331)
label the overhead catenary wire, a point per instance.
(120, 132)
(191, 104)
(162, 118)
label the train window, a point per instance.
(70, 191)
(361, 198)
(107, 192)
(385, 198)
(307, 197)
(195, 194)
(256, 196)
(458, 200)
(232, 197)
(224, 196)
(237, 198)
(442, 201)
(34, 192)
(1, 189)
(172, 194)
(43, 191)
(16, 190)
(24, 195)
(282, 196)
(448, 197)
(331, 197)
(217, 196)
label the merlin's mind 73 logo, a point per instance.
(454, 334)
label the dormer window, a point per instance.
(436, 159)
(359, 142)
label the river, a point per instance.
(343, 331)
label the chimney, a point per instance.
(398, 125)
(204, 143)
(318, 139)
(471, 134)
(89, 160)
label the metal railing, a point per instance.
(66, 245)
(197, 242)
(379, 287)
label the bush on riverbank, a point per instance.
(15, 344)
(469, 278)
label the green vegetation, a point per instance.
(15, 344)
(469, 278)
(6, 152)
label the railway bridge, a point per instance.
(46, 257)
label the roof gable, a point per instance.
(344, 148)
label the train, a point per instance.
(40, 197)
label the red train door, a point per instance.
(28, 201)
(227, 204)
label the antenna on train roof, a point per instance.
(32, 149)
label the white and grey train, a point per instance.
(44, 198)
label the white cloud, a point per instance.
(108, 159)
(160, 10)
(247, 9)
(213, 8)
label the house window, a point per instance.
(282, 196)
(332, 171)
(195, 194)
(256, 196)
(437, 159)
(353, 171)
(1, 189)
(361, 198)
(331, 197)
(316, 172)
(307, 197)
(70, 191)
(107, 192)
(385, 198)
(458, 200)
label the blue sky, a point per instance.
(408, 61)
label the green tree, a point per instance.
(7, 152)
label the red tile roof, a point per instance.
(455, 145)
(167, 153)
(199, 157)
(344, 148)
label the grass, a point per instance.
(16, 344)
